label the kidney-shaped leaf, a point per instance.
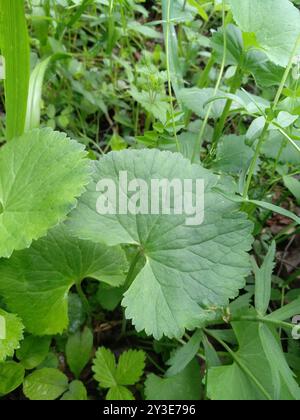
(189, 270)
(36, 281)
(41, 174)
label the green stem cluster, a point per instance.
(219, 80)
(268, 122)
(235, 84)
(169, 73)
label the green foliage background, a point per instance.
(144, 307)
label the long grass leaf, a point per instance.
(37, 77)
(14, 42)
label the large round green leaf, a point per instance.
(41, 174)
(190, 270)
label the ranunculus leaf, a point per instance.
(41, 174)
(189, 270)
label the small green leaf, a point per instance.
(263, 204)
(158, 108)
(51, 361)
(251, 376)
(176, 68)
(11, 334)
(130, 367)
(41, 175)
(185, 354)
(78, 350)
(200, 9)
(33, 351)
(117, 142)
(277, 147)
(286, 312)
(105, 368)
(233, 155)
(185, 386)
(235, 45)
(11, 377)
(275, 356)
(211, 355)
(293, 185)
(77, 392)
(285, 119)
(129, 370)
(36, 82)
(255, 129)
(276, 209)
(263, 281)
(35, 95)
(144, 30)
(45, 385)
(264, 71)
(196, 100)
(76, 313)
(110, 297)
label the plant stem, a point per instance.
(205, 121)
(263, 320)
(286, 74)
(183, 343)
(169, 73)
(241, 364)
(205, 74)
(129, 278)
(202, 82)
(273, 109)
(155, 364)
(124, 325)
(254, 160)
(266, 320)
(236, 83)
(83, 297)
(148, 121)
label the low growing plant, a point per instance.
(140, 305)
